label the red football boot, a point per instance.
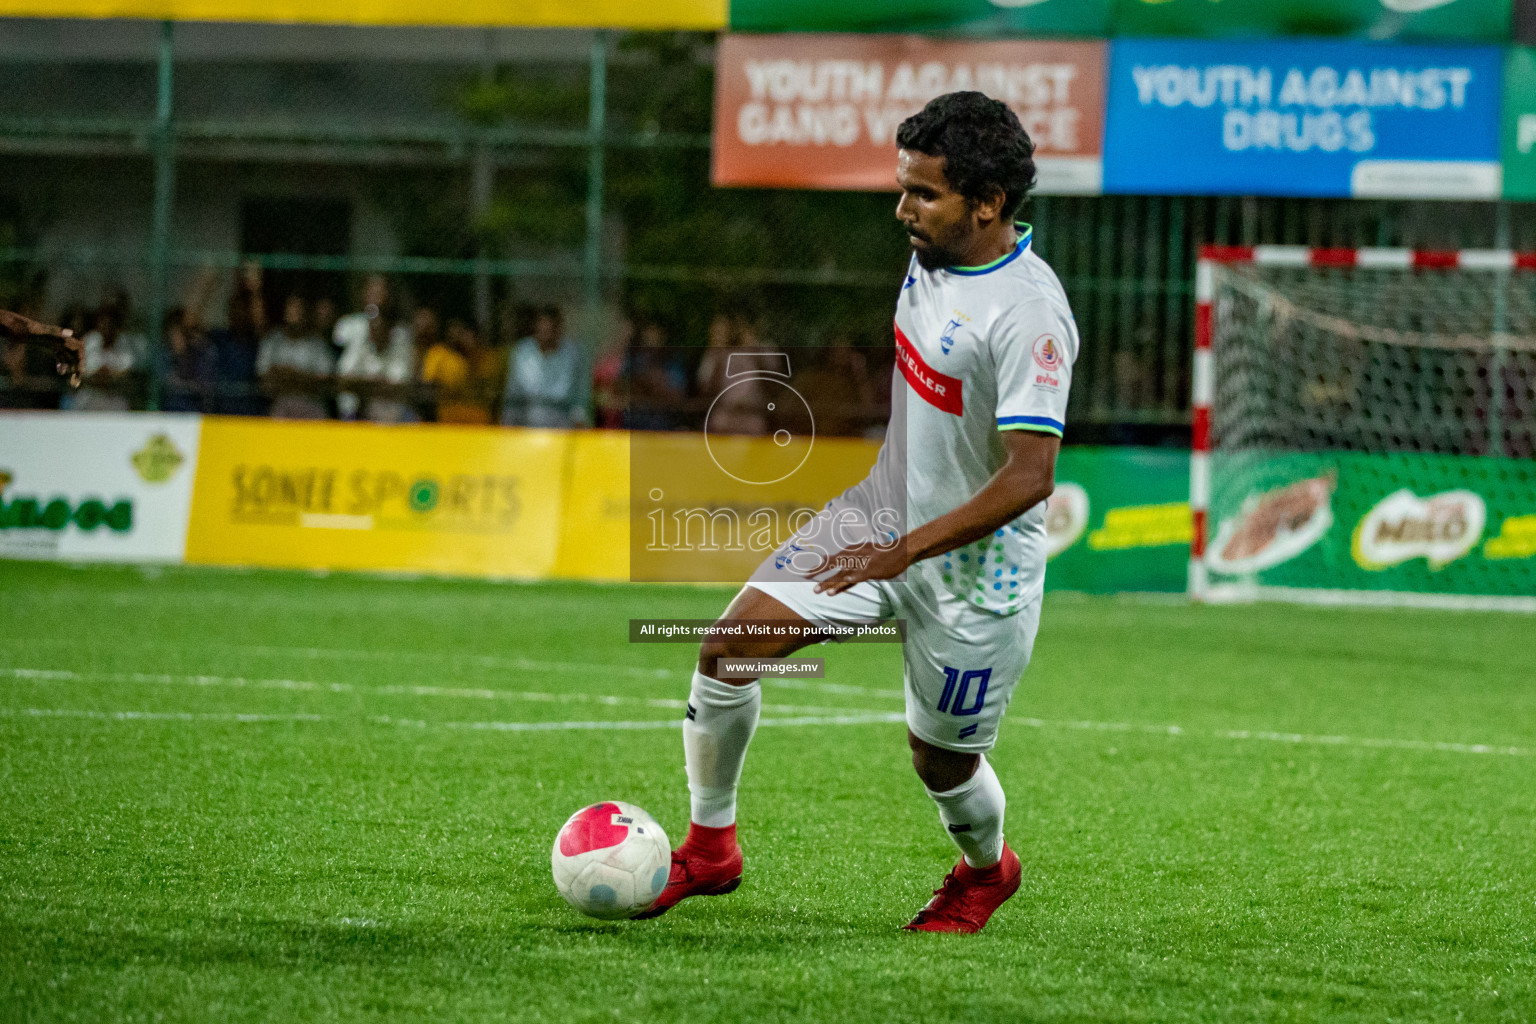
(707, 864)
(969, 896)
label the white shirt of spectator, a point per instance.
(309, 354)
(548, 387)
(130, 352)
(361, 360)
(127, 354)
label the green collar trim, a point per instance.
(1026, 234)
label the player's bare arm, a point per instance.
(1024, 480)
(14, 325)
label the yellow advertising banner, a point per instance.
(654, 14)
(710, 509)
(468, 501)
(594, 530)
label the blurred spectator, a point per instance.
(236, 345)
(735, 407)
(322, 321)
(77, 318)
(747, 335)
(187, 362)
(609, 382)
(487, 366)
(464, 372)
(295, 365)
(377, 352)
(658, 384)
(113, 363)
(426, 334)
(16, 361)
(190, 364)
(722, 336)
(840, 392)
(547, 381)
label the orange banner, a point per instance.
(803, 111)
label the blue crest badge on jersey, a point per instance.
(947, 339)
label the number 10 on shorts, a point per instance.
(957, 698)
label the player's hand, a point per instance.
(70, 357)
(69, 352)
(862, 562)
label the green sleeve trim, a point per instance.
(1034, 427)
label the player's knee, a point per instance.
(710, 653)
(939, 769)
(715, 648)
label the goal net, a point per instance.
(1365, 427)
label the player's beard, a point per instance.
(932, 255)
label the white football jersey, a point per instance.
(978, 350)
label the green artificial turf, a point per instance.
(1225, 814)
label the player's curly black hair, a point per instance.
(982, 142)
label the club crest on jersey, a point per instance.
(1048, 353)
(947, 338)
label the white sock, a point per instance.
(972, 812)
(720, 723)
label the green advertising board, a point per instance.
(982, 17)
(1519, 128)
(1297, 521)
(1119, 520)
(1487, 20)
(1349, 521)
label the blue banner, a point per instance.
(1311, 118)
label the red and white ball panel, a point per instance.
(611, 860)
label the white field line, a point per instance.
(416, 723)
(492, 661)
(861, 718)
(1299, 738)
(489, 661)
(156, 716)
(46, 675)
(670, 723)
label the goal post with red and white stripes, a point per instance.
(1364, 426)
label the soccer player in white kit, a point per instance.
(985, 342)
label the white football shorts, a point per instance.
(960, 663)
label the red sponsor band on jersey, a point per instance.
(937, 389)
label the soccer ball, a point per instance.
(611, 860)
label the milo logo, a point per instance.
(1403, 526)
(27, 512)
